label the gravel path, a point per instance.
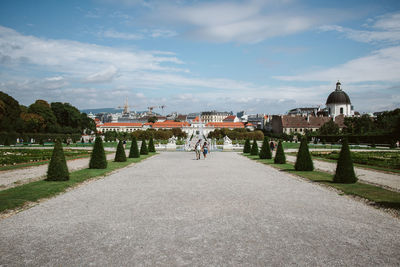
(17, 177)
(391, 181)
(226, 210)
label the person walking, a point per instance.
(197, 149)
(272, 145)
(205, 150)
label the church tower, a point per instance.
(338, 103)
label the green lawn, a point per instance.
(16, 197)
(382, 197)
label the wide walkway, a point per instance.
(174, 210)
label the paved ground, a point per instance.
(226, 210)
(391, 181)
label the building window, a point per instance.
(341, 110)
(329, 111)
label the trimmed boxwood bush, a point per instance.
(120, 154)
(247, 146)
(151, 145)
(280, 154)
(344, 168)
(254, 148)
(303, 160)
(57, 170)
(265, 152)
(98, 159)
(134, 151)
(143, 148)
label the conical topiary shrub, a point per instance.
(57, 170)
(265, 152)
(247, 146)
(98, 159)
(120, 155)
(151, 145)
(134, 151)
(143, 148)
(280, 154)
(344, 168)
(303, 161)
(254, 148)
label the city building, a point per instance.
(213, 116)
(338, 103)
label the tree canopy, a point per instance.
(42, 117)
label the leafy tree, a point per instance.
(303, 160)
(329, 128)
(254, 148)
(98, 159)
(120, 155)
(143, 148)
(247, 146)
(134, 151)
(33, 123)
(344, 168)
(57, 170)
(9, 113)
(151, 145)
(42, 108)
(152, 119)
(265, 152)
(280, 154)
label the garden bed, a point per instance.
(387, 160)
(11, 157)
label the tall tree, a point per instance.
(303, 160)
(134, 151)
(57, 170)
(254, 148)
(98, 159)
(265, 152)
(9, 113)
(344, 168)
(120, 155)
(42, 108)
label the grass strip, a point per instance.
(380, 196)
(17, 196)
(364, 166)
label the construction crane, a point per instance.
(162, 108)
(151, 109)
(125, 106)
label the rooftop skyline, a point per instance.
(257, 56)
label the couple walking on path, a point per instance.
(198, 148)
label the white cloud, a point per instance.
(76, 58)
(242, 22)
(162, 33)
(382, 65)
(121, 35)
(383, 29)
(102, 76)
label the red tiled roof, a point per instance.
(171, 124)
(229, 118)
(197, 119)
(225, 124)
(119, 124)
(249, 124)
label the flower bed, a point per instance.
(18, 156)
(389, 160)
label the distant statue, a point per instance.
(227, 141)
(172, 140)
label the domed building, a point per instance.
(338, 103)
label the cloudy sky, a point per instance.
(264, 56)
